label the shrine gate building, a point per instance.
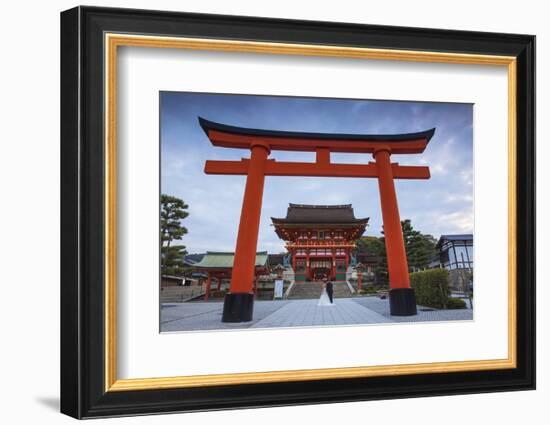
(320, 239)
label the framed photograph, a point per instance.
(261, 212)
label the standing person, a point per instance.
(324, 299)
(330, 290)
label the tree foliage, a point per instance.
(173, 211)
(370, 245)
(375, 247)
(420, 249)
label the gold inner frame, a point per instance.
(113, 41)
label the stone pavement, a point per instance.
(424, 315)
(307, 313)
(201, 316)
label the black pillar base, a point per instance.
(402, 302)
(238, 307)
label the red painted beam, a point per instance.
(239, 168)
(319, 170)
(410, 172)
(239, 141)
(312, 169)
(323, 156)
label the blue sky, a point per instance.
(441, 205)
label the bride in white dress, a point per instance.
(324, 300)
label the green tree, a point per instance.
(376, 247)
(173, 211)
(381, 269)
(370, 245)
(173, 260)
(420, 248)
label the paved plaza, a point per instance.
(200, 316)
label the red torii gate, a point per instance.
(238, 303)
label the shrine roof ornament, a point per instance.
(229, 136)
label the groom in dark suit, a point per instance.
(330, 290)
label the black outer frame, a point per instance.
(82, 204)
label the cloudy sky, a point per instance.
(441, 205)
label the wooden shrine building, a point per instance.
(219, 265)
(320, 239)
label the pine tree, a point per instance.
(420, 249)
(371, 245)
(173, 211)
(381, 269)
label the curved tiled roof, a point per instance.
(318, 214)
(224, 260)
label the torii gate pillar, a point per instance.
(402, 299)
(238, 304)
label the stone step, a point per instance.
(314, 289)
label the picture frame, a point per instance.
(90, 40)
